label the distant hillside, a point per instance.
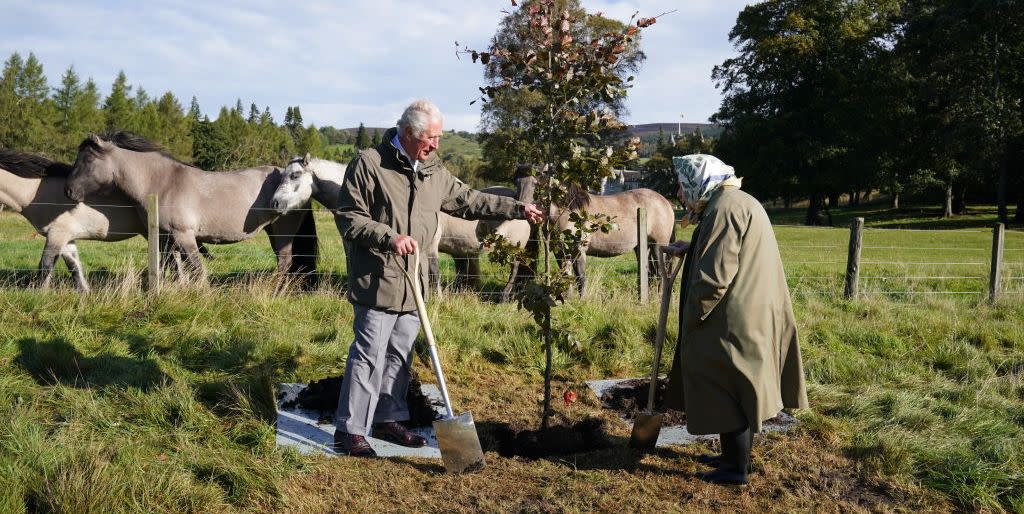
(651, 129)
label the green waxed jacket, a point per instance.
(382, 197)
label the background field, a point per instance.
(115, 402)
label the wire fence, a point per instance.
(898, 263)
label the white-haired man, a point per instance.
(387, 209)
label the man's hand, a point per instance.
(533, 214)
(677, 248)
(404, 245)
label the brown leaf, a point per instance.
(514, 4)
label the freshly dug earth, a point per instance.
(586, 435)
(629, 399)
(322, 396)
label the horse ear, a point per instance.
(305, 160)
(95, 139)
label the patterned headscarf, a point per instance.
(700, 175)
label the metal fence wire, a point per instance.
(898, 263)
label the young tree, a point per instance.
(573, 73)
(505, 119)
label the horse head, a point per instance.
(297, 186)
(568, 196)
(93, 169)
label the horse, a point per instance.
(197, 206)
(463, 240)
(321, 179)
(33, 186)
(622, 208)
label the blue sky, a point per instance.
(344, 62)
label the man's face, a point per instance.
(420, 147)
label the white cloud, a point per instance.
(344, 62)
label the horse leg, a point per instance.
(47, 260)
(70, 255)
(186, 242)
(461, 271)
(434, 273)
(170, 259)
(579, 265)
(473, 272)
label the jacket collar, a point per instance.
(385, 148)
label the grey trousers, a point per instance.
(377, 370)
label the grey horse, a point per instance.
(33, 186)
(622, 207)
(321, 179)
(197, 206)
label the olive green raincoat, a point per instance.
(738, 360)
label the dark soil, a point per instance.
(629, 398)
(322, 396)
(583, 436)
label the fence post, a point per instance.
(853, 258)
(643, 284)
(995, 276)
(153, 224)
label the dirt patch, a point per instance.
(322, 396)
(583, 436)
(629, 398)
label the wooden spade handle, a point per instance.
(667, 281)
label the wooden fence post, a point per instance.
(153, 224)
(995, 279)
(643, 284)
(853, 258)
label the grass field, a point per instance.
(116, 402)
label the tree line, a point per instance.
(910, 97)
(53, 121)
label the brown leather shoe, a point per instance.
(352, 445)
(397, 433)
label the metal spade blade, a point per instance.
(459, 443)
(456, 435)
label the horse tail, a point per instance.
(305, 251)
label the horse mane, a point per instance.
(29, 165)
(127, 141)
(327, 169)
(576, 198)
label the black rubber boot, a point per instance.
(734, 463)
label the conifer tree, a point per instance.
(118, 107)
(362, 141)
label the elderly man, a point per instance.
(387, 209)
(738, 361)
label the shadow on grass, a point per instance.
(57, 361)
(920, 217)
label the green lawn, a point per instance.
(117, 402)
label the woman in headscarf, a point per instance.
(738, 361)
